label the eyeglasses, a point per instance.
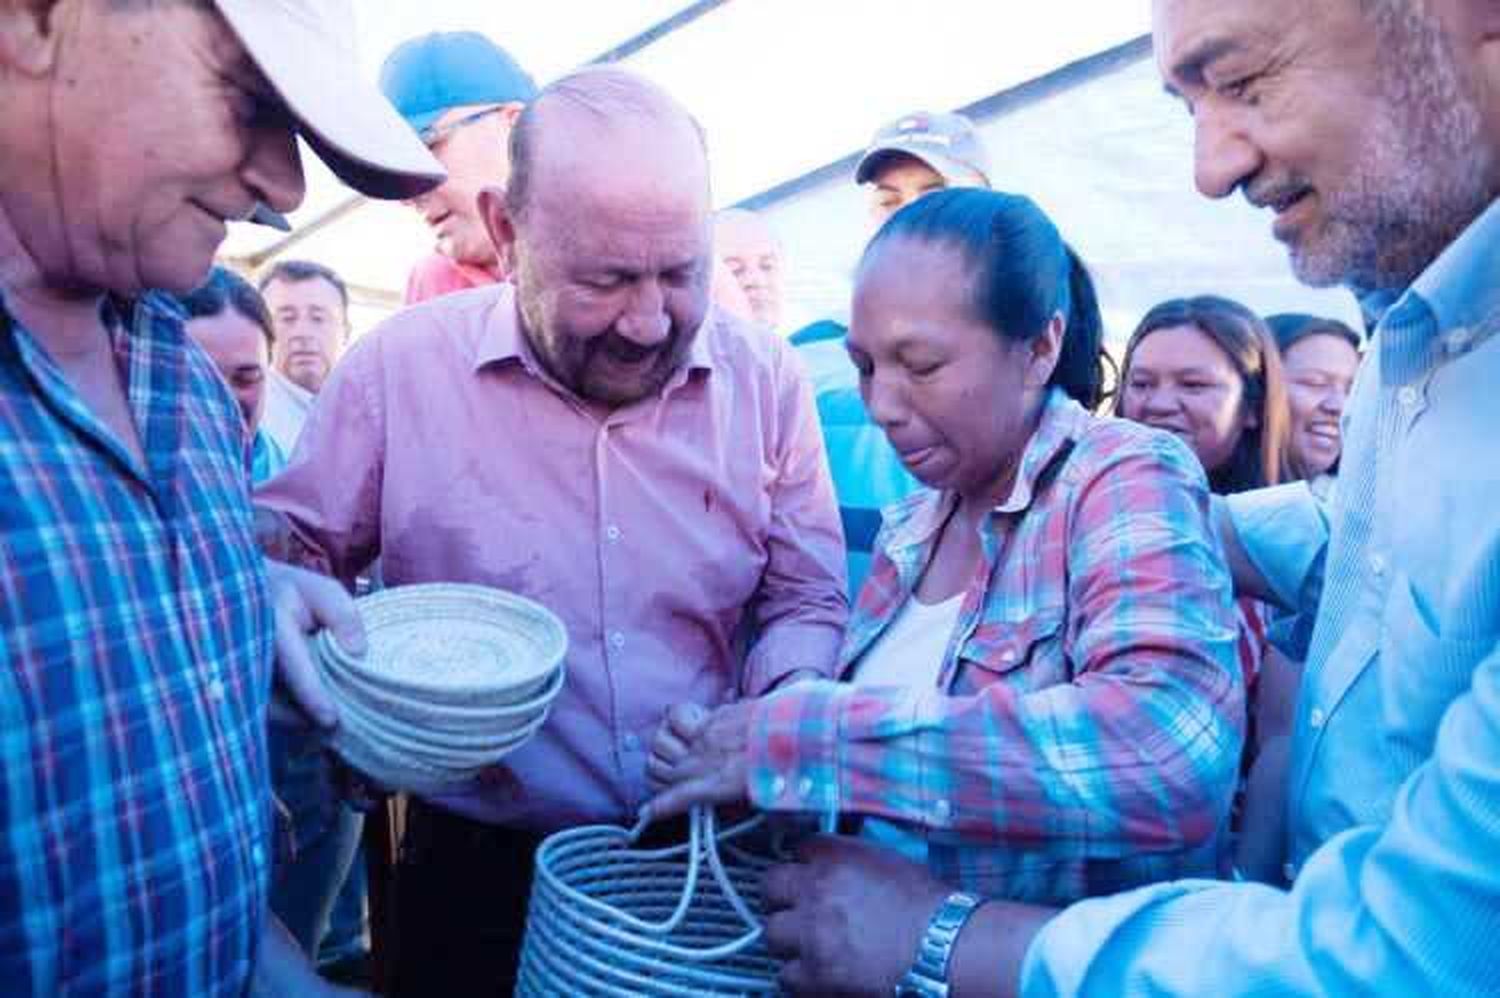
(434, 135)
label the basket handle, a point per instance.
(703, 843)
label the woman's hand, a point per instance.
(699, 756)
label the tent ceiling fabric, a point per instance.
(784, 87)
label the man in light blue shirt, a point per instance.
(1368, 128)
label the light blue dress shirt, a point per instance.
(1394, 818)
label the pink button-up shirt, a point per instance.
(440, 445)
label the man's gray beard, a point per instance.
(1428, 170)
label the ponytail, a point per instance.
(1081, 358)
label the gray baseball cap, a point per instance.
(945, 141)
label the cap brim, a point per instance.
(345, 118)
(951, 169)
(424, 119)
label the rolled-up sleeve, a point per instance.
(1139, 753)
(1283, 531)
(1410, 909)
(801, 607)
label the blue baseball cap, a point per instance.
(428, 75)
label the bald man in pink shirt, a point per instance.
(598, 437)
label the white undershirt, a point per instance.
(908, 654)
(910, 651)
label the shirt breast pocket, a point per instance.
(1027, 654)
(1422, 670)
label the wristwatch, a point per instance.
(928, 976)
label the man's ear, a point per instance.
(500, 225)
(511, 112)
(28, 35)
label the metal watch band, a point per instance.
(928, 976)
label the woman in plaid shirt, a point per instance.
(1040, 694)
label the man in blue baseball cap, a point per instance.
(462, 94)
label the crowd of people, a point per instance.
(1172, 669)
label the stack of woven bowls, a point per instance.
(455, 677)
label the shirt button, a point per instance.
(805, 787)
(942, 811)
(1458, 340)
(1408, 396)
(612, 532)
(1289, 871)
(1377, 565)
(1317, 718)
(617, 640)
(778, 786)
(216, 690)
(632, 743)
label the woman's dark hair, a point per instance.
(1293, 327)
(1024, 274)
(1261, 457)
(224, 290)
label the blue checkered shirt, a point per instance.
(135, 640)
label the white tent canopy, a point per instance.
(1065, 93)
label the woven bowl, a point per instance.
(439, 747)
(470, 718)
(456, 645)
(455, 678)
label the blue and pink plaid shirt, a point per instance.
(1085, 732)
(135, 660)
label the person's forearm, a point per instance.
(990, 950)
(1248, 581)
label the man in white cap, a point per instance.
(137, 618)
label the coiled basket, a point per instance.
(609, 919)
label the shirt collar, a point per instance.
(1061, 423)
(1456, 296)
(1460, 285)
(503, 341)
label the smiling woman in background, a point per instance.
(1207, 369)
(1320, 357)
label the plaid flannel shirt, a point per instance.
(1085, 733)
(134, 673)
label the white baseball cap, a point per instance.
(306, 50)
